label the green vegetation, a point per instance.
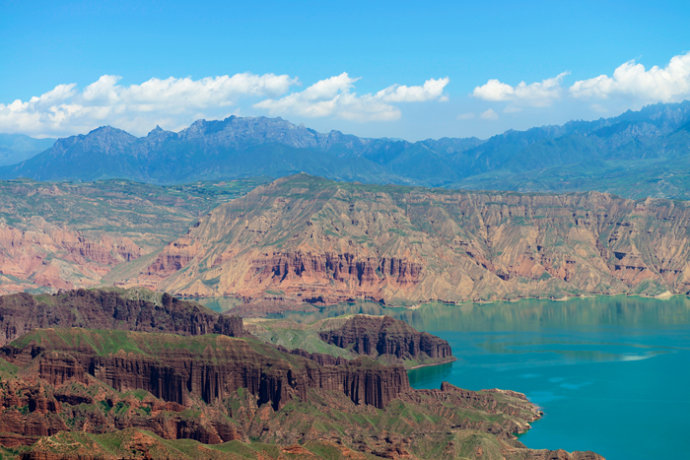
(149, 214)
(7, 369)
(211, 347)
(293, 335)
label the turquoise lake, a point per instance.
(612, 374)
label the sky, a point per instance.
(399, 69)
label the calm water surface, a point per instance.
(612, 374)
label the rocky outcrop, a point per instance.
(215, 389)
(172, 370)
(344, 268)
(102, 309)
(49, 416)
(55, 257)
(377, 336)
(308, 240)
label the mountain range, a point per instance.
(637, 154)
(18, 147)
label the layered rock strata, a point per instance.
(58, 257)
(58, 384)
(379, 336)
(102, 309)
(309, 240)
(208, 368)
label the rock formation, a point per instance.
(70, 235)
(58, 384)
(380, 336)
(108, 309)
(303, 240)
(57, 257)
(309, 240)
(170, 368)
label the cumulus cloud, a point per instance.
(630, 86)
(668, 84)
(65, 109)
(175, 102)
(494, 90)
(537, 94)
(432, 89)
(335, 97)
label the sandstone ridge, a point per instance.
(309, 240)
(168, 367)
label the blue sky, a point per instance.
(398, 69)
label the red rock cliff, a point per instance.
(208, 368)
(376, 336)
(98, 309)
(310, 239)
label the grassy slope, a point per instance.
(121, 444)
(151, 215)
(631, 179)
(293, 334)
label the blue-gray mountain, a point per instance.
(18, 147)
(637, 154)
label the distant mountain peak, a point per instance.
(108, 131)
(158, 133)
(635, 147)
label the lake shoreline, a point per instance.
(435, 363)
(619, 357)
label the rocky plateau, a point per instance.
(385, 336)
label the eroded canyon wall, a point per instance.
(308, 239)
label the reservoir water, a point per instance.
(612, 374)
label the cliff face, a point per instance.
(206, 368)
(311, 240)
(57, 257)
(99, 309)
(378, 336)
(303, 240)
(213, 389)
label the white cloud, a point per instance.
(172, 101)
(432, 89)
(630, 86)
(631, 79)
(176, 102)
(466, 116)
(335, 97)
(489, 114)
(537, 94)
(494, 90)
